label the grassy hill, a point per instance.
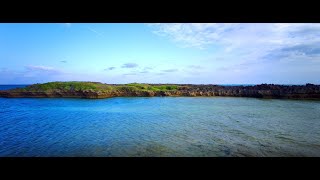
(99, 90)
(95, 86)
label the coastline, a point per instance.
(95, 90)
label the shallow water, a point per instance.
(159, 126)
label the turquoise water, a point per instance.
(159, 126)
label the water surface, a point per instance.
(159, 126)
(8, 87)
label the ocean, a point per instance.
(8, 87)
(158, 126)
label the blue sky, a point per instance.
(200, 53)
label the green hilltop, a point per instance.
(95, 86)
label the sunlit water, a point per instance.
(159, 126)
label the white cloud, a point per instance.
(170, 70)
(41, 68)
(34, 71)
(95, 31)
(193, 34)
(246, 42)
(240, 36)
(67, 24)
(252, 50)
(32, 74)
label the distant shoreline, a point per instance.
(96, 90)
(171, 84)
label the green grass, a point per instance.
(67, 86)
(147, 87)
(95, 86)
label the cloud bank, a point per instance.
(258, 40)
(42, 68)
(170, 70)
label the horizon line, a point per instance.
(173, 83)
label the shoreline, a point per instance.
(95, 90)
(293, 99)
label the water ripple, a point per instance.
(159, 126)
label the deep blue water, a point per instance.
(159, 126)
(7, 87)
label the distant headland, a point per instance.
(96, 90)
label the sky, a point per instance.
(189, 53)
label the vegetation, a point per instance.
(100, 90)
(95, 86)
(66, 86)
(148, 87)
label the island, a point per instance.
(97, 90)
